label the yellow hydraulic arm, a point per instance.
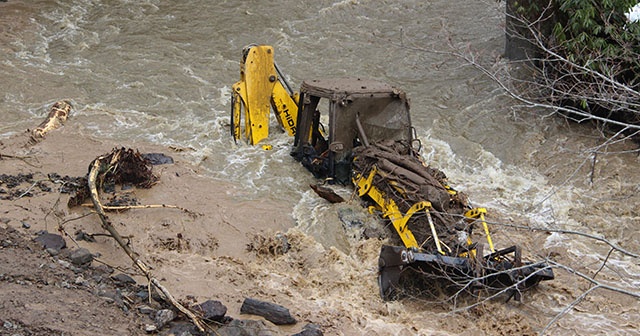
(400, 221)
(390, 210)
(261, 88)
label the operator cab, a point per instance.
(359, 112)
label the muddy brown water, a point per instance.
(161, 72)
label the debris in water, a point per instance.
(327, 193)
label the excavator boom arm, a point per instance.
(260, 90)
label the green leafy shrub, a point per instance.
(597, 35)
(588, 57)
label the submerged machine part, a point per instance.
(358, 131)
(436, 224)
(357, 112)
(500, 270)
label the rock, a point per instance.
(272, 312)
(97, 278)
(184, 329)
(81, 235)
(373, 232)
(64, 263)
(81, 281)
(150, 328)
(26, 225)
(52, 252)
(123, 279)
(310, 330)
(211, 310)
(144, 309)
(143, 294)
(6, 243)
(51, 241)
(81, 256)
(350, 218)
(248, 328)
(8, 325)
(104, 269)
(157, 158)
(157, 296)
(361, 222)
(163, 317)
(111, 296)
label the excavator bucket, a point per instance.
(497, 271)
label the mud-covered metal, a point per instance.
(337, 115)
(502, 270)
(359, 131)
(436, 225)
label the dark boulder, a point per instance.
(50, 241)
(122, 279)
(211, 310)
(157, 158)
(81, 256)
(310, 330)
(248, 328)
(272, 312)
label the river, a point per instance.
(161, 72)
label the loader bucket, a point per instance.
(494, 272)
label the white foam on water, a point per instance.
(489, 183)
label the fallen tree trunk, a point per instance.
(403, 178)
(99, 166)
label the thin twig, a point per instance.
(21, 158)
(148, 206)
(593, 281)
(29, 189)
(572, 232)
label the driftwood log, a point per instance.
(57, 116)
(272, 312)
(97, 169)
(327, 193)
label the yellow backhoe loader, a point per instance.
(358, 131)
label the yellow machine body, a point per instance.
(260, 90)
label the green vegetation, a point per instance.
(588, 56)
(598, 36)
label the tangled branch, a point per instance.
(99, 167)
